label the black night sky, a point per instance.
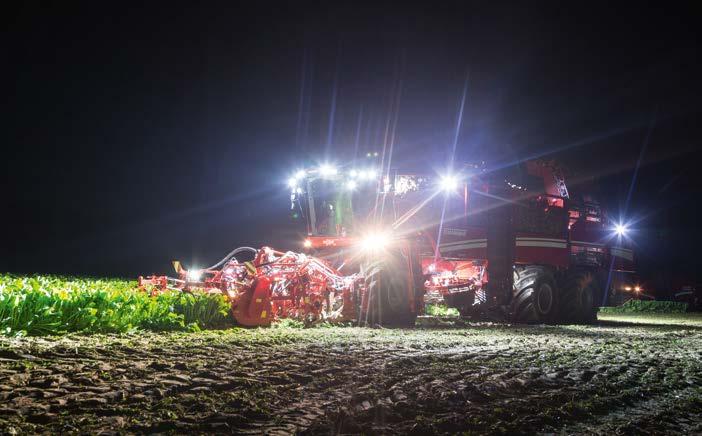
(133, 135)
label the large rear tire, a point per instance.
(535, 296)
(581, 294)
(390, 291)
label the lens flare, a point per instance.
(194, 275)
(448, 183)
(621, 229)
(327, 171)
(375, 241)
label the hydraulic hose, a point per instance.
(232, 254)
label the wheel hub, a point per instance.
(544, 300)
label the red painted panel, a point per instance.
(463, 253)
(541, 255)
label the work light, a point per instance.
(448, 183)
(194, 275)
(327, 170)
(621, 229)
(375, 241)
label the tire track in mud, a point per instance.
(484, 378)
(675, 412)
(534, 397)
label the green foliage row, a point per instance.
(47, 305)
(641, 306)
(440, 310)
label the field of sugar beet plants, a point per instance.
(628, 373)
(45, 305)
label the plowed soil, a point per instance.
(608, 378)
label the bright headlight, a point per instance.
(367, 174)
(327, 170)
(194, 275)
(448, 183)
(621, 229)
(375, 241)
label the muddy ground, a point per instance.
(478, 378)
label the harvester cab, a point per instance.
(357, 220)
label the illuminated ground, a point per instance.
(485, 378)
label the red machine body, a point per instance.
(509, 244)
(546, 232)
(273, 285)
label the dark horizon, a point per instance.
(139, 135)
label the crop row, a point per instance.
(47, 305)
